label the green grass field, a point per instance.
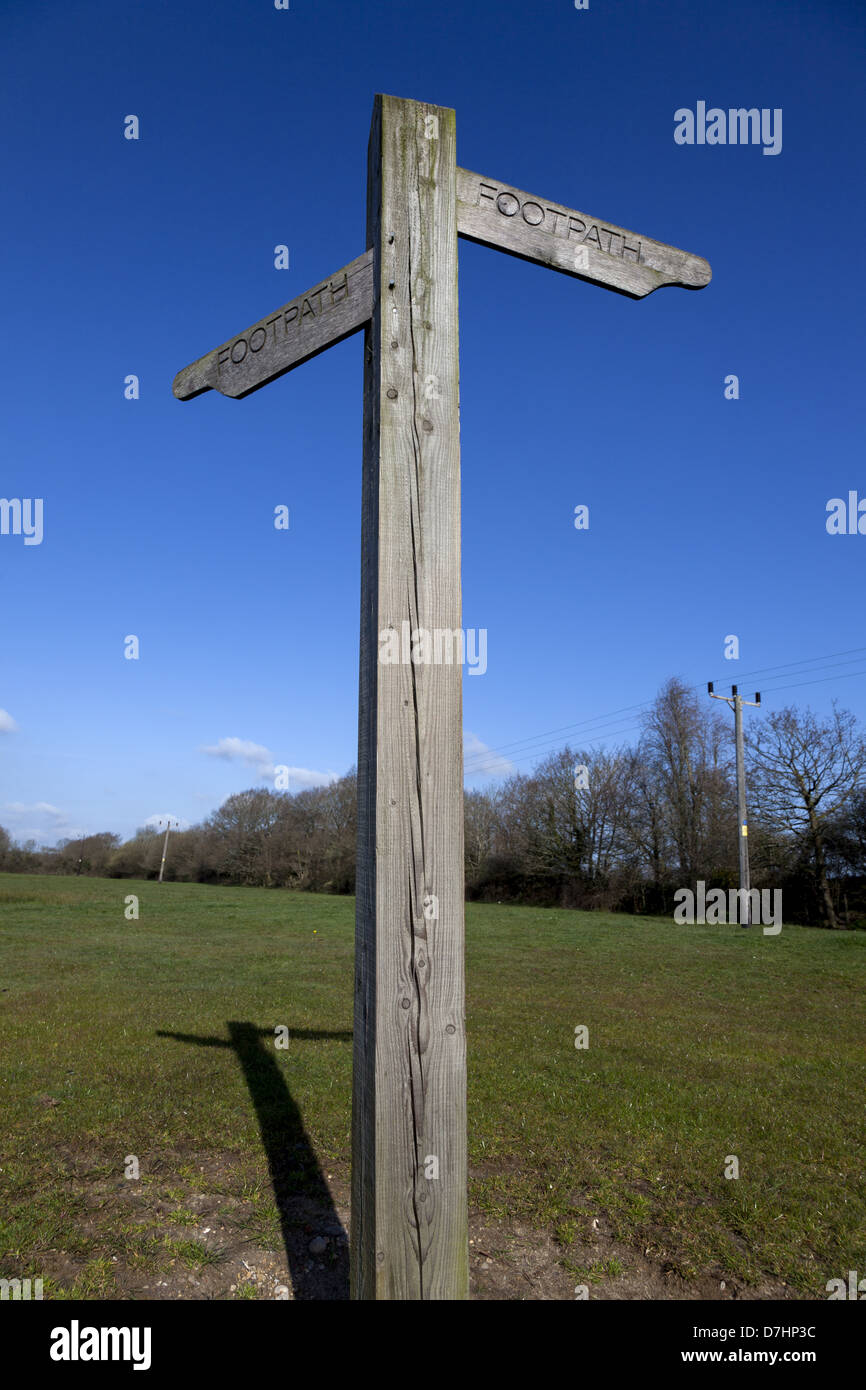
(704, 1042)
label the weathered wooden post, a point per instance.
(409, 1208)
(409, 1217)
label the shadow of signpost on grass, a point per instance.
(301, 1192)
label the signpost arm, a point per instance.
(409, 1205)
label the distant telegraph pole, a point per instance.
(736, 703)
(164, 848)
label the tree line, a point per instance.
(619, 829)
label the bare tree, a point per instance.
(138, 857)
(479, 830)
(572, 814)
(243, 825)
(684, 788)
(804, 772)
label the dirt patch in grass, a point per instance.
(193, 1229)
(517, 1261)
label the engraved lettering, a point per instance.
(272, 346)
(592, 235)
(556, 216)
(635, 250)
(533, 213)
(576, 225)
(508, 205)
(343, 285)
(487, 190)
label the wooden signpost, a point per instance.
(409, 1207)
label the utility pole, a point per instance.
(164, 848)
(736, 703)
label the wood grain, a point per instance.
(284, 339)
(409, 1230)
(537, 229)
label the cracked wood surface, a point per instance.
(409, 1227)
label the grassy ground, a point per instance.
(155, 1038)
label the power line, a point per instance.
(592, 723)
(806, 661)
(480, 761)
(552, 748)
(519, 743)
(593, 727)
(819, 681)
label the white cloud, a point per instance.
(308, 777)
(158, 821)
(7, 723)
(481, 761)
(242, 750)
(255, 755)
(41, 808)
(38, 820)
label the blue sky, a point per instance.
(707, 516)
